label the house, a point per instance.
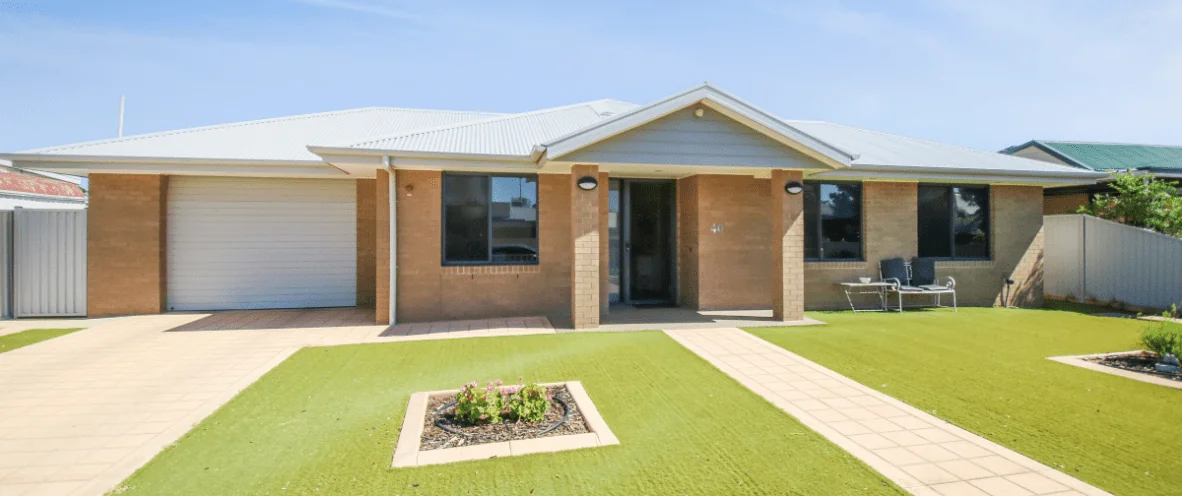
(38, 190)
(700, 200)
(1162, 161)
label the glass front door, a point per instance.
(642, 241)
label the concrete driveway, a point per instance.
(80, 413)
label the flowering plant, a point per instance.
(528, 403)
(494, 403)
(476, 405)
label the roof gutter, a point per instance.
(1081, 174)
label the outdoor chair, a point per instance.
(916, 279)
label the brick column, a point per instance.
(125, 244)
(787, 248)
(585, 235)
(381, 271)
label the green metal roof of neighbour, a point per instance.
(1110, 156)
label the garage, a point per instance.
(252, 243)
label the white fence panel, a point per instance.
(1064, 264)
(49, 263)
(5, 264)
(1088, 257)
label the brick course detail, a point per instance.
(125, 244)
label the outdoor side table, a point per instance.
(867, 288)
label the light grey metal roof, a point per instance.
(475, 134)
(513, 134)
(283, 138)
(882, 150)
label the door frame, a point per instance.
(625, 223)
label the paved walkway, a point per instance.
(919, 452)
(80, 413)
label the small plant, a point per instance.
(1165, 337)
(527, 403)
(476, 405)
(494, 403)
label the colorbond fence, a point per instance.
(1093, 258)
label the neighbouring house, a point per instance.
(1161, 161)
(38, 190)
(700, 200)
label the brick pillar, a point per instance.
(125, 243)
(366, 243)
(382, 247)
(787, 248)
(585, 236)
(604, 239)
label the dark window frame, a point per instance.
(819, 221)
(443, 220)
(951, 200)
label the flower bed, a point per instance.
(498, 421)
(442, 428)
(1139, 362)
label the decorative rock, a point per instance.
(1170, 359)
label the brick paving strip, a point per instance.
(919, 452)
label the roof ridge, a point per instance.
(230, 125)
(462, 125)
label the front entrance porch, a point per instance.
(632, 318)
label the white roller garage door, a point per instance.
(247, 243)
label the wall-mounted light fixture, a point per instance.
(587, 183)
(793, 187)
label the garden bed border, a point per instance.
(407, 453)
(1081, 361)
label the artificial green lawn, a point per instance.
(326, 422)
(22, 339)
(984, 370)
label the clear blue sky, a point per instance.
(981, 73)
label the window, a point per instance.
(954, 222)
(833, 221)
(491, 220)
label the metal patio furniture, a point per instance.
(904, 280)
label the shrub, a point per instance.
(527, 403)
(494, 404)
(1164, 337)
(476, 405)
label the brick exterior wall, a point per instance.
(604, 240)
(786, 213)
(125, 244)
(366, 242)
(585, 238)
(889, 219)
(889, 229)
(727, 269)
(428, 291)
(1063, 204)
(1016, 236)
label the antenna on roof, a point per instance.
(122, 100)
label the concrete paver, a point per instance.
(919, 452)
